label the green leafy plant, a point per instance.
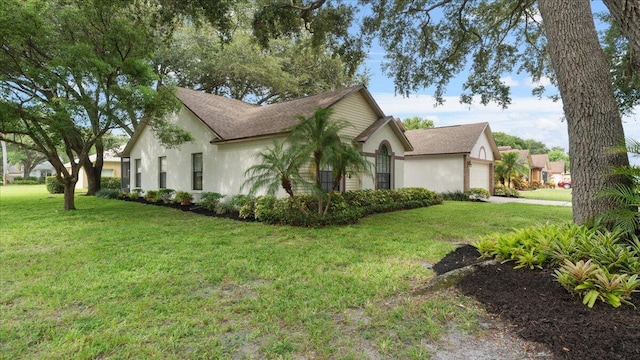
(165, 195)
(108, 182)
(210, 200)
(135, 193)
(109, 193)
(54, 186)
(151, 195)
(183, 197)
(476, 194)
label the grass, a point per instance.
(118, 279)
(548, 194)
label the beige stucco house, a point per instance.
(111, 168)
(451, 158)
(229, 133)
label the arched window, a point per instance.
(383, 168)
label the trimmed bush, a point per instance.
(502, 190)
(54, 186)
(25, 182)
(135, 193)
(151, 195)
(109, 193)
(476, 194)
(183, 197)
(210, 200)
(165, 195)
(455, 196)
(110, 182)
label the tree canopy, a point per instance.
(417, 122)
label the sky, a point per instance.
(527, 117)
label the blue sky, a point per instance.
(527, 117)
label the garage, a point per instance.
(480, 175)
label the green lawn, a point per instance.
(117, 279)
(548, 194)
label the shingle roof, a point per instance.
(539, 160)
(233, 119)
(523, 155)
(457, 139)
(395, 125)
(556, 167)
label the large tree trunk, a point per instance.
(94, 170)
(593, 119)
(69, 194)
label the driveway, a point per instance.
(502, 200)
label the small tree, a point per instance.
(509, 167)
(279, 167)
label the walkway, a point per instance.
(502, 200)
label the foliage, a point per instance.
(183, 197)
(151, 195)
(54, 186)
(515, 142)
(210, 200)
(476, 194)
(510, 167)
(558, 154)
(454, 196)
(345, 208)
(107, 193)
(135, 193)
(593, 263)
(502, 190)
(626, 217)
(417, 122)
(110, 182)
(25, 182)
(165, 195)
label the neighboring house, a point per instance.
(14, 172)
(111, 167)
(556, 171)
(524, 157)
(43, 170)
(229, 133)
(451, 158)
(539, 168)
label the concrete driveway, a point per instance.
(502, 200)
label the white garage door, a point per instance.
(479, 175)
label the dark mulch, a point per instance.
(543, 311)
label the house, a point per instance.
(229, 133)
(451, 158)
(43, 170)
(539, 168)
(111, 167)
(556, 171)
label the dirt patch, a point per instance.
(539, 309)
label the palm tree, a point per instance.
(510, 166)
(345, 159)
(278, 167)
(316, 136)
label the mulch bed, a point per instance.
(543, 311)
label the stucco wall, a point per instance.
(482, 149)
(372, 145)
(440, 173)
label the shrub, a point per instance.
(109, 193)
(454, 196)
(135, 193)
(165, 195)
(477, 194)
(151, 195)
(183, 197)
(210, 200)
(20, 178)
(25, 182)
(110, 182)
(54, 186)
(501, 190)
(535, 185)
(596, 264)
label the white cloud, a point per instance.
(544, 81)
(509, 81)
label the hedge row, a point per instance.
(55, 187)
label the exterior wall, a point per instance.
(356, 110)
(482, 149)
(439, 173)
(370, 148)
(223, 165)
(83, 182)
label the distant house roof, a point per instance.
(111, 155)
(523, 155)
(456, 139)
(540, 161)
(556, 167)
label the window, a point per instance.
(162, 174)
(107, 173)
(196, 166)
(383, 168)
(326, 179)
(138, 164)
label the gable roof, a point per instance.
(523, 155)
(379, 124)
(234, 119)
(539, 161)
(556, 167)
(456, 139)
